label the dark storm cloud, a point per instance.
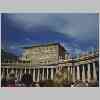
(75, 30)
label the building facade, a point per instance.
(43, 54)
(46, 60)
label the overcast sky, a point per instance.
(76, 31)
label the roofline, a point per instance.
(46, 44)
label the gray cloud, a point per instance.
(77, 25)
(83, 27)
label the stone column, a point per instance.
(20, 74)
(7, 74)
(47, 73)
(94, 72)
(2, 75)
(38, 75)
(71, 70)
(43, 74)
(16, 74)
(78, 73)
(73, 77)
(25, 70)
(51, 73)
(89, 74)
(83, 73)
(33, 75)
(68, 72)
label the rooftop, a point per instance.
(42, 44)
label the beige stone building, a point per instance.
(43, 54)
(44, 61)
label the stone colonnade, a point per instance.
(38, 74)
(77, 72)
(85, 72)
